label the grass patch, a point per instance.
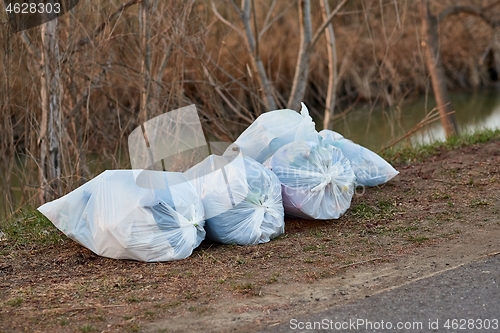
(317, 233)
(30, 227)
(410, 153)
(199, 309)
(440, 195)
(166, 306)
(406, 228)
(15, 302)
(87, 328)
(96, 318)
(149, 314)
(63, 321)
(133, 299)
(133, 327)
(418, 239)
(309, 248)
(385, 208)
(363, 211)
(240, 261)
(381, 210)
(478, 202)
(273, 278)
(244, 287)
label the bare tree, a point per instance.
(495, 47)
(307, 43)
(50, 125)
(302, 66)
(7, 147)
(332, 67)
(252, 44)
(482, 14)
(146, 60)
(109, 68)
(436, 70)
(430, 25)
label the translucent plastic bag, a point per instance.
(271, 131)
(317, 182)
(114, 217)
(370, 169)
(242, 200)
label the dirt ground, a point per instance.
(436, 215)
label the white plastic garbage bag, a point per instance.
(370, 169)
(317, 182)
(242, 200)
(114, 217)
(271, 131)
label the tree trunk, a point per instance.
(7, 146)
(257, 64)
(302, 67)
(495, 47)
(436, 70)
(144, 113)
(332, 67)
(51, 124)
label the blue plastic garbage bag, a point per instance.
(317, 182)
(115, 217)
(271, 131)
(242, 200)
(370, 169)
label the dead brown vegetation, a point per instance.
(112, 80)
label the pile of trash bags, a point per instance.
(280, 165)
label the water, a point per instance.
(376, 127)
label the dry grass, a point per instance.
(192, 54)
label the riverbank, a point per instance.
(442, 209)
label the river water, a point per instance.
(376, 127)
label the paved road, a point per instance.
(465, 299)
